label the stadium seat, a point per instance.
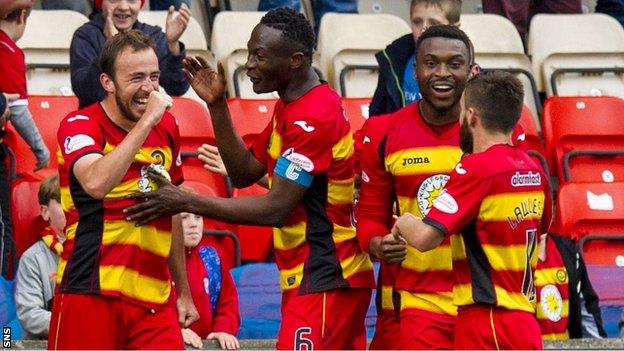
(256, 241)
(194, 123)
(230, 32)
(577, 55)
(47, 112)
(583, 137)
(399, 8)
(193, 37)
(356, 111)
(347, 44)
(498, 45)
(194, 171)
(533, 140)
(250, 116)
(590, 208)
(27, 224)
(46, 44)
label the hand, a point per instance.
(157, 103)
(208, 84)
(226, 341)
(187, 313)
(402, 225)
(177, 21)
(388, 248)
(191, 338)
(109, 26)
(167, 200)
(209, 155)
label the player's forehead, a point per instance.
(441, 47)
(265, 37)
(130, 61)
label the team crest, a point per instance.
(145, 185)
(429, 190)
(551, 302)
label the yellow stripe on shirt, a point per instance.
(134, 285)
(505, 206)
(423, 160)
(147, 238)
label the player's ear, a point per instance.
(107, 83)
(296, 60)
(472, 115)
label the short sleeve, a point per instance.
(459, 202)
(79, 135)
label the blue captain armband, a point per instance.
(291, 171)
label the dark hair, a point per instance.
(498, 96)
(14, 15)
(133, 38)
(451, 8)
(49, 190)
(448, 32)
(294, 27)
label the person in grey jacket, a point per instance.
(116, 16)
(36, 273)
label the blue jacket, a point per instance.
(85, 49)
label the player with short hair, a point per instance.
(307, 150)
(497, 197)
(114, 275)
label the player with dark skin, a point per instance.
(274, 64)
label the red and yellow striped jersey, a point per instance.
(496, 199)
(406, 161)
(316, 250)
(104, 253)
(552, 291)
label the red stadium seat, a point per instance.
(583, 137)
(256, 241)
(533, 140)
(25, 213)
(250, 117)
(47, 112)
(194, 123)
(593, 215)
(193, 170)
(356, 110)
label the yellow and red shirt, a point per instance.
(309, 141)
(496, 199)
(104, 253)
(406, 162)
(552, 291)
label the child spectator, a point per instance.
(397, 85)
(13, 80)
(212, 289)
(36, 274)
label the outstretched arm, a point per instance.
(187, 313)
(417, 233)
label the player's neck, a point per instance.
(436, 117)
(300, 84)
(115, 114)
(484, 140)
(10, 29)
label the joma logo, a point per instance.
(415, 160)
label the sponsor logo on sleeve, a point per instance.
(446, 203)
(304, 125)
(459, 169)
(365, 177)
(521, 137)
(366, 140)
(78, 118)
(526, 179)
(300, 160)
(77, 142)
(179, 160)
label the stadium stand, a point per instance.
(533, 139)
(497, 45)
(194, 123)
(230, 32)
(46, 44)
(250, 116)
(47, 112)
(27, 224)
(577, 55)
(356, 110)
(347, 44)
(583, 138)
(399, 8)
(256, 241)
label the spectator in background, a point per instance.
(212, 289)
(13, 80)
(36, 275)
(119, 16)
(8, 6)
(396, 85)
(520, 12)
(319, 7)
(613, 8)
(567, 306)
(163, 5)
(82, 6)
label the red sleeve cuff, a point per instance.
(368, 229)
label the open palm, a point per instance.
(207, 83)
